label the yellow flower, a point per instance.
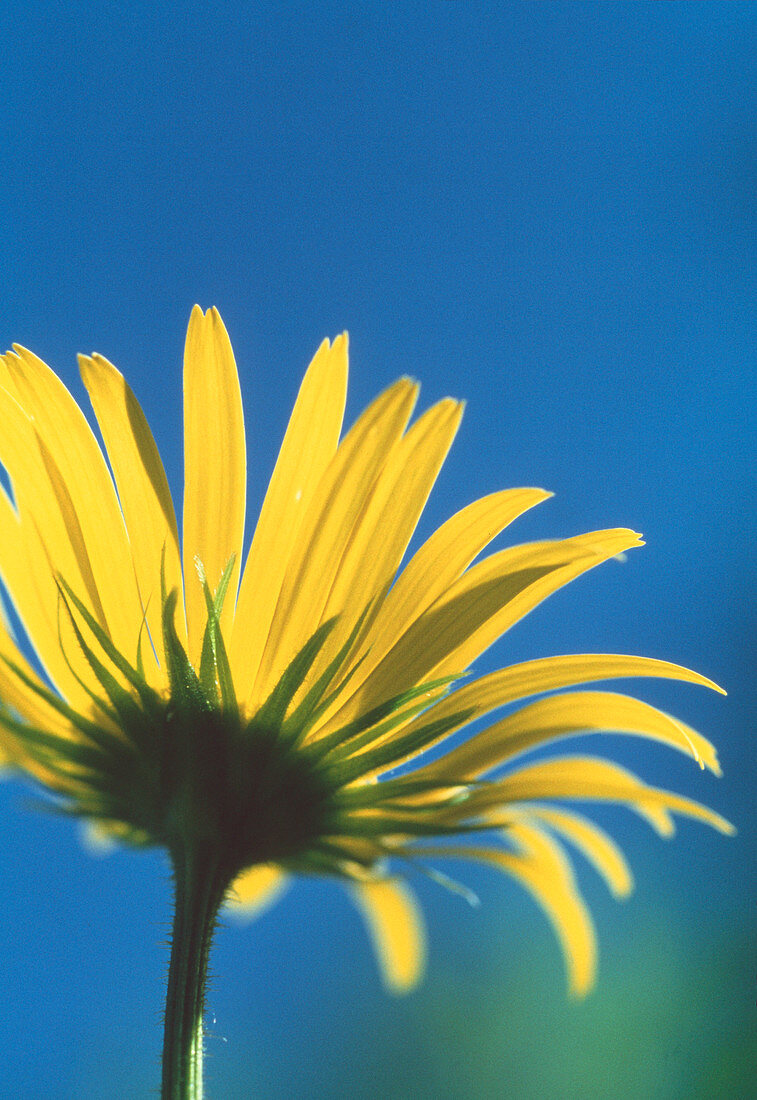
(274, 719)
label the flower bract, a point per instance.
(302, 708)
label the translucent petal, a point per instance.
(28, 558)
(142, 485)
(309, 445)
(338, 503)
(395, 925)
(568, 715)
(592, 779)
(18, 695)
(478, 608)
(437, 565)
(599, 848)
(543, 869)
(215, 468)
(507, 685)
(82, 488)
(382, 532)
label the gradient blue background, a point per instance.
(546, 209)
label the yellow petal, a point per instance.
(477, 609)
(309, 445)
(506, 685)
(17, 695)
(141, 483)
(589, 778)
(552, 566)
(326, 531)
(35, 544)
(256, 889)
(215, 469)
(84, 495)
(599, 848)
(569, 715)
(542, 868)
(396, 928)
(382, 532)
(435, 567)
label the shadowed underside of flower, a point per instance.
(275, 719)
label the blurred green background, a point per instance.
(547, 209)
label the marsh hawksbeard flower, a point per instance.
(272, 720)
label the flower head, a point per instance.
(275, 719)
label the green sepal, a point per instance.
(150, 698)
(101, 705)
(316, 702)
(360, 732)
(271, 714)
(140, 662)
(99, 813)
(438, 877)
(329, 856)
(125, 707)
(215, 671)
(402, 787)
(186, 690)
(382, 824)
(61, 748)
(388, 753)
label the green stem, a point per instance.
(199, 893)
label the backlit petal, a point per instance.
(568, 715)
(543, 869)
(309, 445)
(437, 564)
(215, 468)
(396, 928)
(141, 482)
(599, 848)
(382, 532)
(477, 609)
(322, 540)
(81, 483)
(592, 779)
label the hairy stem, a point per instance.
(199, 892)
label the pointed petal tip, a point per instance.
(196, 319)
(216, 319)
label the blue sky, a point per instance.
(547, 209)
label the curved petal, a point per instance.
(395, 925)
(34, 543)
(507, 685)
(436, 566)
(63, 488)
(215, 469)
(595, 844)
(569, 715)
(309, 445)
(543, 869)
(584, 778)
(478, 609)
(83, 490)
